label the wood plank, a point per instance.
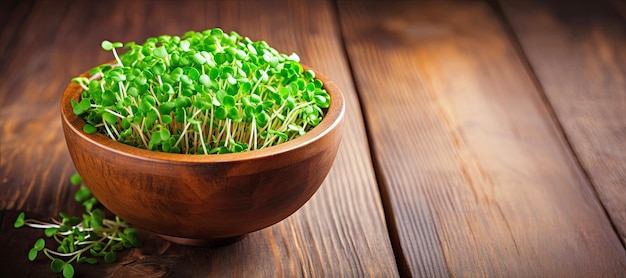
(11, 17)
(620, 7)
(578, 52)
(339, 233)
(351, 240)
(477, 174)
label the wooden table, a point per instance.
(482, 138)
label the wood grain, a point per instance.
(479, 178)
(350, 200)
(339, 233)
(12, 15)
(578, 52)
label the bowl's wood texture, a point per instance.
(204, 196)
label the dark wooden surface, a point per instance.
(483, 138)
(588, 92)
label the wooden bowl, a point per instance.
(204, 199)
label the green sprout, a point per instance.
(81, 240)
(206, 92)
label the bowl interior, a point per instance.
(333, 117)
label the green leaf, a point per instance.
(175, 149)
(159, 68)
(98, 214)
(186, 79)
(57, 265)
(133, 237)
(145, 105)
(77, 109)
(322, 101)
(220, 113)
(151, 117)
(117, 247)
(251, 49)
(231, 80)
(72, 221)
(109, 118)
(205, 80)
(165, 147)
(199, 58)
(216, 32)
(62, 249)
(68, 271)
(160, 52)
(184, 45)
(85, 104)
(291, 102)
(89, 129)
(280, 134)
(255, 98)
(166, 119)
(108, 98)
(97, 247)
(277, 98)
(193, 73)
(233, 113)
(75, 179)
(49, 232)
(182, 102)
(284, 92)
(248, 112)
(110, 257)
(155, 139)
(235, 148)
(167, 88)
(166, 107)
(106, 45)
(64, 228)
(165, 134)
(262, 119)
(82, 194)
(32, 254)
(228, 101)
(19, 222)
(309, 74)
(80, 80)
(90, 203)
(220, 58)
(40, 244)
(70, 244)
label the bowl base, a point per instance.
(202, 242)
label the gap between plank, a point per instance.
(390, 220)
(519, 50)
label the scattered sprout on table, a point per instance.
(80, 239)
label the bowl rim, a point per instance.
(332, 119)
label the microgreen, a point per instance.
(80, 239)
(202, 93)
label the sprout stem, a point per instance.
(117, 58)
(202, 140)
(41, 226)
